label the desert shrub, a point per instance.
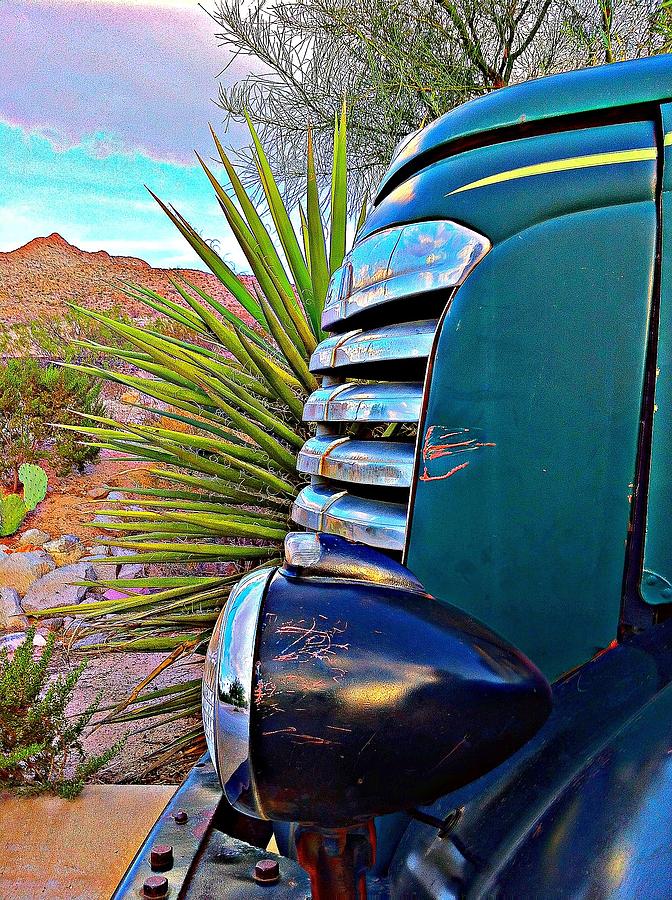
(32, 397)
(40, 746)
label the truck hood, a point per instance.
(532, 103)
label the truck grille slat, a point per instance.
(374, 403)
(382, 463)
(349, 470)
(361, 462)
(408, 341)
(377, 523)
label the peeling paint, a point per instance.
(438, 444)
(312, 641)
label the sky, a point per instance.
(99, 98)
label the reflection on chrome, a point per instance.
(227, 685)
(374, 403)
(409, 340)
(383, 463)
(402, 262)
(377, 523)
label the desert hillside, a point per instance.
(40, 278)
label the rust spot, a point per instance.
(438, 444)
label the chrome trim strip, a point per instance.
(237, 627)
(377, 523)
(383, 402)
(410, 340)
(383, 463)
(399, 262)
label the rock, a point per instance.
(57, 588)
(20, 570)
(34, 538)
(11, 613)
(134, 570)
(113, 594)
(100, 550)
(116, 495)
(102, 520)
(97, 493)
(10, 642)
(122, 551)
(65, 550)
(105, 571)
(105, 568)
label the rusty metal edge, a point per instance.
(199, 797)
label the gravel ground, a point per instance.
(116, 674)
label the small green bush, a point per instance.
(32, 397)
(38, 742)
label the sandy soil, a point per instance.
(116, 674)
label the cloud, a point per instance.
(143, 73)
(161, 4)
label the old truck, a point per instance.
(458, 682)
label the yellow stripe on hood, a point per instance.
(562, 165)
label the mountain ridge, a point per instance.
(40, 278)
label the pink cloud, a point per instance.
(142, 75)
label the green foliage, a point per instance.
(403, 64)
(40, 746)
(13, 508)
(32, 397)
(13, 511)
(34, 481)
(237, 382)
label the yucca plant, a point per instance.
(230, 397)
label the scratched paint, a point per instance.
(442, 443)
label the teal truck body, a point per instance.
(495, 420)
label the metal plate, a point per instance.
(199, 797)
(410, 340)
(384, 463)
(377, 523)
(385, 402)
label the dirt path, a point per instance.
(68, 507)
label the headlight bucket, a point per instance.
(227, 686)
(357, 697)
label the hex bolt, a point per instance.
(267, 871)
(161, 858)
(180, 817)
(155, 887)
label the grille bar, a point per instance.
(411, 260)
(407, 341)
(373, 403)
(382, 463)
(361, 461)
(377, 523)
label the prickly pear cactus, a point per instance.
(34, 481)
(12, 512)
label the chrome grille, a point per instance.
(367, 411)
